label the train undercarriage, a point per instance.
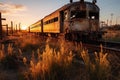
(76, 36)
(83, 36)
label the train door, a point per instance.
(61, 21)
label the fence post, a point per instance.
(7, 29)
(11, 27)
(19, 27)
(1, 36)
(0, 27)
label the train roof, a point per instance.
(35, 22)
(73, 4)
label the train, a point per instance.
(77, 20)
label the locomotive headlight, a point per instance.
(93, 17)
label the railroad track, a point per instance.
(112, 45)
(97, 48)
(108, 47)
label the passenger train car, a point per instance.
(76, 20)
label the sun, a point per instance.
(23, 27)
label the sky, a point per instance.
(27, 12)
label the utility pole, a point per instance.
(16, 27)
(7, 29)
(11, 27)
(19, 27)
(117, 19)
(111, 19)
(1, 25)
(107, 22)
(29, 29)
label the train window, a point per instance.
(51, 21)
(78, 14)
(94, 15)
(55, 19)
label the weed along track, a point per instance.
(35, 58)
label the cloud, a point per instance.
(7, 8)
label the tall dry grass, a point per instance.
(98, 67)
(57, 63)
(9, 57)
(51, 65)
(56, 60)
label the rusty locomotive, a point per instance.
(76, 20)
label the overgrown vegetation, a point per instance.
(98, 66)
(112, 35)
(53, 59)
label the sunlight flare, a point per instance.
(23, 27)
